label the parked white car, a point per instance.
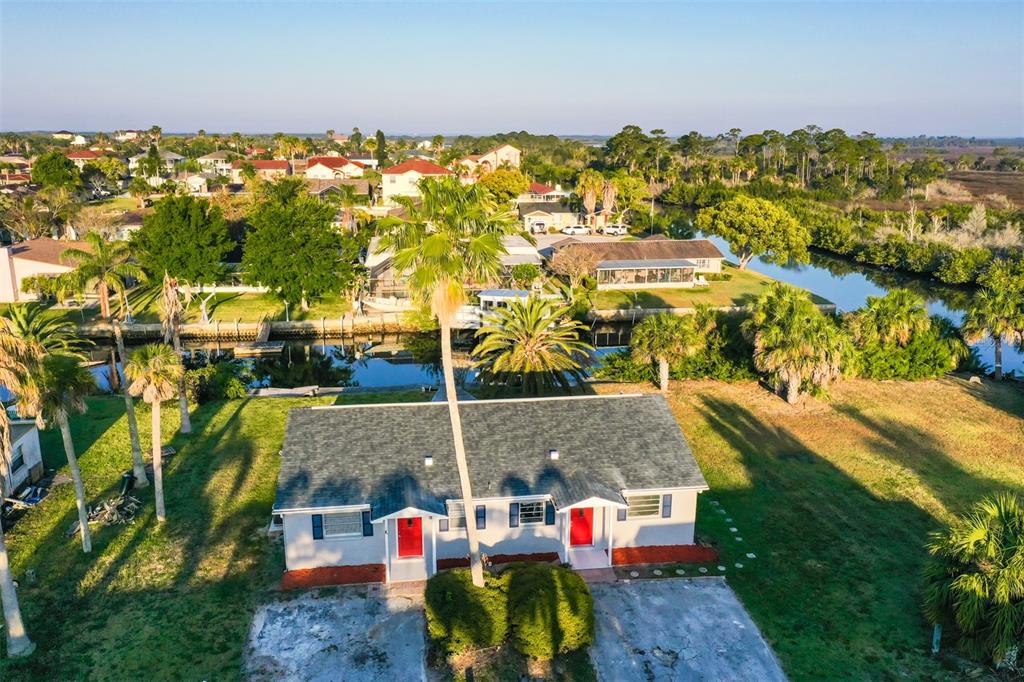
(538, 228)
(575, 229)
(616, 230)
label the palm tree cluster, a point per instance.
(974, 581)
(997, 312)
(104, 267)
(796, 345)
(666, 338)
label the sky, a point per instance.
(895, 69)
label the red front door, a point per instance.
(581, 529)
(410, 537)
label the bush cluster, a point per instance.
(217, 381)
(545, 610)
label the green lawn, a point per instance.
(836, 501)
(117, 204)
(743, 287)
(157, 602)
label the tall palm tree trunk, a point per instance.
(138, 466)
(997, 339)
(18, 642)
(476, 566)
(663, 374)
(76, 475)
(186, 422)
(104, 301)
(792, 390)
(158, 470)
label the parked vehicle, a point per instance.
(538, 228)
(615, 229)
(575, 229)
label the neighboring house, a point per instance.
(168, 159)
(128, 135)
(10, 179)
(79, 141)
(502, 155)
(218, 162)
(63, 135)
(29, 258)
(26, 455)
(266, 169)
(197, 183)
(372, 494)
(540, 192)
(368, 160)
(403, 179)
(364, 189)
(333, 168)
(81, 157)
(519, 250)
(649, 263)
(339, 138)
(549, 214)
(129, 223)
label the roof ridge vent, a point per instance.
(553, 453)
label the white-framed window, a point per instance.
(343, 524)
(531, 512)
(19, 459)
(643, 505)
(456, 515)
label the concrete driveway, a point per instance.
(354, 634)
(682, 629)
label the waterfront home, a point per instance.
(31, 258)
(649, 263)
(218, 162)
(502, 155)
(266, 169)
(541, 216)
(370, 493)
(333, 168)
(26, 466)
(403, 179)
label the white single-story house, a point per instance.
(649, 263)
(30, 258)
(26, 464)
(371, 493)
(333, 168)
(404, 178)
(550, 214)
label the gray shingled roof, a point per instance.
(375, 453)
(648, 249)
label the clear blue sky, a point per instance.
(890, 68)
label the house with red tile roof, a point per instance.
(333, 168)
(403, 179)
(80, 157)
(266, 169)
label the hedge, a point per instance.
(461, 616)
(551, 610)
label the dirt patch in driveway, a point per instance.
(352, 633)
(687, 629)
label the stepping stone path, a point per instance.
(739, 565)
(728, 519)
(722, 569)
(656, 571)
(733, 529)
(751, 555)
(738, 539)
(702, 569)
(634, 574)
(715, 502)
(680, 571)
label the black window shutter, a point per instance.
(318, 526)
(367, 526)
(442, 525)
(481, 517)
(549, 514)
(513, 515)
(621, 515)
(666, 506)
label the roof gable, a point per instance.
(416, 166)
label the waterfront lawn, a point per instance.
(836, 500)
(157, 602)
(742, 288)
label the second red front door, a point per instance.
(410, 537)
(581, 527)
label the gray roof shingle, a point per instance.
(375, 453)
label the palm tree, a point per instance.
(451, 238)
(138, 466)
(998, 315)
(589, 184)
(794, 343)
(44, 334)
(140, 189)
(171, 312)
(974, 581)
(665, 338)
(104, 266)
(154, 370)
(893, 318)
(13, 354)
(533, 340)
(59, 384)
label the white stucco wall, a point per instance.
(14, 270)
(646, 531)
(302, 551)
(28, 446)
(498, 537)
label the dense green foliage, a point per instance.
(756, 227)
(550, 610)
(505, 183)
(55, 169)
(462, 617)
(216, 381)
(186, 238)
(974, 582)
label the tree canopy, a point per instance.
(55, 169)
(505, 184)
(184, 237)
(757, 227)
